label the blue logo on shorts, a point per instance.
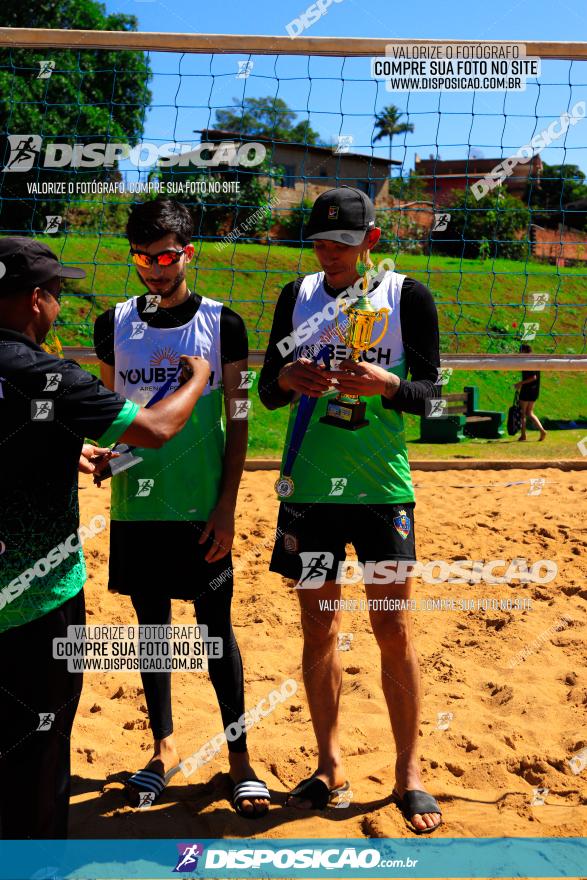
(402, 524)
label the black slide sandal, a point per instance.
(250, 790)
(415, 801)
(317, 792)
(144, 787)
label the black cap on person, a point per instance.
(344, 214)
(28, 263)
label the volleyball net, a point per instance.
(478, 185)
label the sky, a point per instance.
(454, 19)
(339, 97)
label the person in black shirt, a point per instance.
(342, 226)
(419, 328)
(47, 407)
(529, 388)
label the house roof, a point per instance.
(471, 168)
(578, 205)
(219, 134)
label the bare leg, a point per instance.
(322, 672)
(524, 409)
(532, 415)
(400, 678)
(165, 750)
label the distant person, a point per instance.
(529, 389)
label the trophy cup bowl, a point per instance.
(348, 410)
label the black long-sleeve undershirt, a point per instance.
(420, 336)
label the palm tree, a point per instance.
(388, 124)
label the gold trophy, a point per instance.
(52, 344)
(348, 410)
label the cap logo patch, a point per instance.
(333, 212)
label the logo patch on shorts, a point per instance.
(290, 543)
(402, 524)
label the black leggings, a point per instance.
(226, 672)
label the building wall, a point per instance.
(553, 244)
(440, 186)
(315, 172)
(440, 189)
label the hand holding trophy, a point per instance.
(348, 410)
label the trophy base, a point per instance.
(351, 417)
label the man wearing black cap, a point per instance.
(47, 407)
(352, 486)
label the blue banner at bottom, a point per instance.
(312, 858)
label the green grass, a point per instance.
(558, 445)
(559, 398)
(267, 430)
(471, 296)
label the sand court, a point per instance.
(504, 678)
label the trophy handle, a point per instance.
(337, 325)
(379, 316)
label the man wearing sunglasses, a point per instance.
(175, 542)
(48, 406)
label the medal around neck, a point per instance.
(284, 487)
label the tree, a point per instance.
(408, 189)
(558, 186)
(219, 211)
(388, 125)
(294, 221)
(90, 96)
(269, 117)
(488, 227)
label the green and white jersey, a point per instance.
(338, 466)
(181, 480)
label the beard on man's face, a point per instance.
(164, 290)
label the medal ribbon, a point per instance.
(306, 407)
(159, 395)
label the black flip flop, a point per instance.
(415, 801)
(249, 790)
(317, 792)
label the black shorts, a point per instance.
(378, 532)
(164, 559)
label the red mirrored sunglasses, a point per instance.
(165, 258)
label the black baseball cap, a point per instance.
(26, 262)
(343, 214)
